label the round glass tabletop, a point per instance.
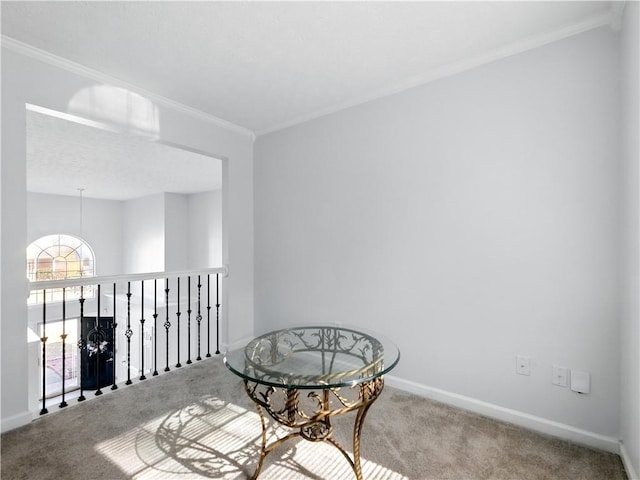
(313, 357)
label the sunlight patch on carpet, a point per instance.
(217, 439)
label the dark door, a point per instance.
(97, 358)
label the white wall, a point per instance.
(176, 232)
(143, 236)
(101, 225)
(129, 236)
(471, 219)
(630, 326)
(171, 232)
(205, 229)
(30, 77)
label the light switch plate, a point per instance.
(560, 376)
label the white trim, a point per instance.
(16, 421)
(531, 422)
(73, 67)
(626, 461)
(120, 130)
(74, 118)
(106, 279)
(589, 23)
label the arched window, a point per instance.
(58, 257)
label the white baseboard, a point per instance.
(532, 422)
(626, 461)
(16, 421)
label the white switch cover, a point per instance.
(560, 376)
(580, 381)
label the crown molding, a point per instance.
(612, 17)
(617, 9)
(82, 70)
(529, 43)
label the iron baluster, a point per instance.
(155, 327)
(199, 318)
(189, 320)
(43, 339)
(82, 343)
(63, 337)
(167, 324)
(114, 325)
(217, 315)
(128, 333)
(178, 313)
(98, 334)
(97, 344)
(208, 316)
(142, 376)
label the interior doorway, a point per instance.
(141, 200)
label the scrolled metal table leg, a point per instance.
(263, 448)
(266, 449)
(357, 430)
(316, 427)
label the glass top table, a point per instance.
(314, 357)
(304, 376)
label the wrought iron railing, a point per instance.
(114, 332)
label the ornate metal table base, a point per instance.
(309, 413)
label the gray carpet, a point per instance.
(197, 422)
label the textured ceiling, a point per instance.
(260, 66)
(63, 156)
(264, 65)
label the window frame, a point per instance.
(59, 250)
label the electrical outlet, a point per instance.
(560, 376)
(523, 365)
